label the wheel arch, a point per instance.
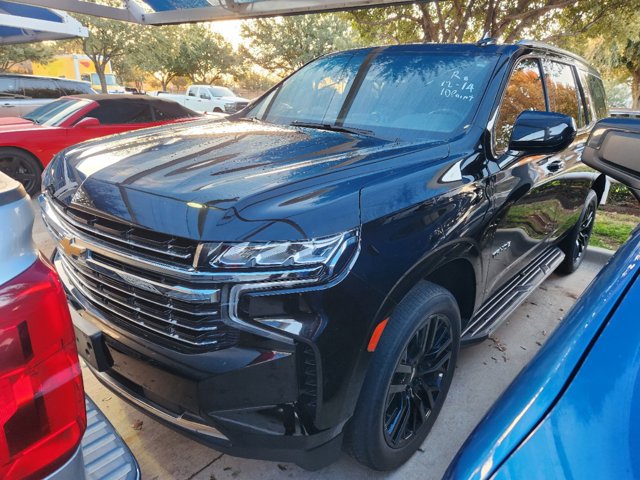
(457, 267)
(22, 149)
(599, 185)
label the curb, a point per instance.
(598, 254)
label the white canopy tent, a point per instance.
(160, 12)
(20, 23)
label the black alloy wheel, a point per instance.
(418, 380)
(575, 244)
(22, 167)
(407, 380)
(584, 232)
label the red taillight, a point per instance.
(42, 412)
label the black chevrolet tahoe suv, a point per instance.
(298, 278)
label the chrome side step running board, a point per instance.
(106, 456)
(501, 304)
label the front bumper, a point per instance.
(243, 400)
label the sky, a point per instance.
(230, 29)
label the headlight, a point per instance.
(318, 251)
(283, 265)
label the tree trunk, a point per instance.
(103, 80)
(635, 89)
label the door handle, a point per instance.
(555, 166)
(8, 105)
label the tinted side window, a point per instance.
(74, 88)
(599, 96)
(9, 87)
(40, 88)
(524, 92)
(111, 112)
(562, 90)
(162, 113)
(588, 98)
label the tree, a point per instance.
(128, 69)
(160, 54)
(469, 20)
(109, 40)
(12, 55)
(282, 45)
(613, 45)
(203, 56)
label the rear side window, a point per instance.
(562, 90)
(170, 112)
(114, 112)
(74, 88)
(598, 95)
(9, 87)
(524, 92)
(40, 88)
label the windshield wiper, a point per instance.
(332, 128)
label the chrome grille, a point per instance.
(235, 107)
(126, 285)
(191, 323)
(137, 240)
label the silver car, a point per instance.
(48, 427)
(19, 94)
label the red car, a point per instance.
(29, 143)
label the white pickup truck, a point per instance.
(208, 99)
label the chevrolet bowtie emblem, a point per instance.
(69, 247)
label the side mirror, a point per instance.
(614, 149)
(537, 133)
(87, 122)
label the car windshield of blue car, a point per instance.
(55, 113)
(410, 95)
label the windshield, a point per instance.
(221, 92)
(109, 77)
(54, 113)
(389, 93)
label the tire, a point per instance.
(575, 244)
(21, 166)
(218, 110)
(396, 408)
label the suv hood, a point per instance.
(222, 180)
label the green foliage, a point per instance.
(203, 56)
(249, 79)
(12, 55)
(612, 229)
(159, 56)
(620, 194)
(468, 20)
(613, 45)
(282, 45)
(108, 40)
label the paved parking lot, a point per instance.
(483, 372)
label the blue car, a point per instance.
(574, 411)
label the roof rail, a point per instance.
(551, 48)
